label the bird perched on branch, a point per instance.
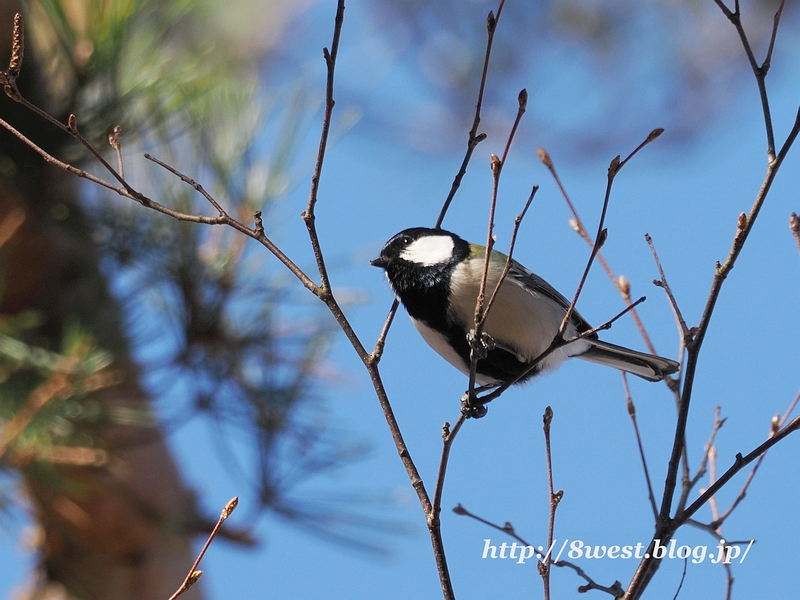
(437, 276)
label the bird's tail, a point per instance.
(646, 366)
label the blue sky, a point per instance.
(688, 198)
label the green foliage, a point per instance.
(43, 394)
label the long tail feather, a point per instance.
(646, 366)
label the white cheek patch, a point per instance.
(430, 250)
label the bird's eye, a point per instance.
(406, 240)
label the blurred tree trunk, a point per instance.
(117, 521)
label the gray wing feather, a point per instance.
(531, 281)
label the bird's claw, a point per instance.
(480, 346)
(470, 410)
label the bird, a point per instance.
(436, 275)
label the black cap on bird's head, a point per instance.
(421, 246)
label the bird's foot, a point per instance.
(472, 410)
(480, 346)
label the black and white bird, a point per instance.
(437, 275)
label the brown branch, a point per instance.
(739, 463)
(380, 343)
(615, 590)
(708, 457)
(115, 142)
(760, 71)
(555, 498)
(577, 225)
(474, 137)
(191, 182)
(309, 217)
(194, 575)
(662, 283)
(509, 259)
(600, 238)
(744, 227)
(481, 312)
(448, 436)
(632, 413)
(322, 291)
(777, 423)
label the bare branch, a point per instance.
(115, 142)
(615, 590)
(662, 283)
(632, 413)
(308, 215)
(777, 423)
(600, 238)
(474, 137)
(739, 463)
(194, 575)
(709, 450)
(577, 225)
(555, 498)
(480, 312)
(448, 436)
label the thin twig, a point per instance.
(760, 71)
(615, 590)
(474, 137)
(380, 343)
(577, 225)
(600, 238)
(776, 425)
(662, 283)
(555, 498)
(481, 312)
(191, 182)
(632, 413)
(194, 575)
(322, 291)
(116, 144)
(707, 456)
(448, 436)
(683, 577)
(739, 463)
(308, 215)
(479, 318)
(509, 259)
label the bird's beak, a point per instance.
(379, 262)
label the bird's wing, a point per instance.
(525, 278)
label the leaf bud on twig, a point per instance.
(655, 134)
(523, 99)
(230, 507)
(544, 157)
(496, 164)
(624, 286)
